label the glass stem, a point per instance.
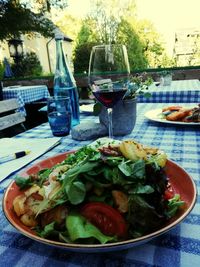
(110, 127)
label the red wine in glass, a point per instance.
(109, 98)
(108, 76)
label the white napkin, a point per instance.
(9, 146)
(87, 108)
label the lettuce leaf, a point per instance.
(78, 227)
(173, 205)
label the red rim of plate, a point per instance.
(187, 183)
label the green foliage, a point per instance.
(68, 24)
(18, 18)
(105, 20)
(173, 205)
(61, 4)
(79, 228)
(151, 42)
(110, 23)
(82, 56)
(23, 182)
(86, 39)
(126, 35)
(164, 73)
(139, 85)
(29, 65)
(1, 70)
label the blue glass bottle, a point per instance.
(64, 82)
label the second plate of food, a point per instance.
(158, 116)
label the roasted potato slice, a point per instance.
(132, 150)
(161, 158)
(121, 200)
(28, 201)
(19, 205)
(33, 189)
(28, 220)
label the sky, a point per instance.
(168, 16)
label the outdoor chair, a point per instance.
(11, 120)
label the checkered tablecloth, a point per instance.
(180, 247)
(183, 91)
(26, 94)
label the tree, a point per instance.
(68, 24)
(101, 26)
(153, 44)
(107, 24)
(29, 65)
(86, 39)
(106, 16)
(116, 22)
(126, 35)
(26, 17)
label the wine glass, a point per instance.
(109, 76)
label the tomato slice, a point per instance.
(169, 192)
(106, 218)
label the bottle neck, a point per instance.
(61, 62)
(60, 59)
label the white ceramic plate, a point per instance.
(155, 115)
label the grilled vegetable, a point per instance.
(132, 150)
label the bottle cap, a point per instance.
(58, 34)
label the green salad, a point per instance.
(104, 192)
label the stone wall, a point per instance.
(82, 81)
(178, 74)
(181, 74)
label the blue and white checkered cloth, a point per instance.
(26, 94)
(180, 247)
(183, 91)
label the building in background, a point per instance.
(186, 50)
(44, 48)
